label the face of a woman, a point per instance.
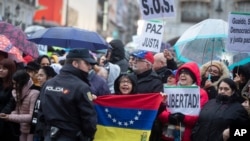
(225, 89)
(185, 79)
(45, 62)
(41, 77)
(3, 71)
(245, 104)
(102, 60)
(171, 80)
(214, 71)
(125, 86)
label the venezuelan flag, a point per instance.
(126, 117)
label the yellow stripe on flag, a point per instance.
(105, 133)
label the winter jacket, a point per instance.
(149, 82)
(98, 85)
(189, 121)
(171, 64)
(66, 102)
(23, 114)
(224, 73)
(164, 73)
(8, 130)
(131, 77)
(216, 116)
(118, 55)
(113, 72)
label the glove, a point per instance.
(176, 118)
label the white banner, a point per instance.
(184, 100)
(153, 9)
(239, 32)
(151, 36)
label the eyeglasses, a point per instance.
(213, 71)
(184, 72)
(125, 81)
(140, 60)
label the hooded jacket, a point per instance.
(189, 121)
(113, 72)
(118, 55)
(224, 73)
(131, 78)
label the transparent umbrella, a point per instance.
(202, 42)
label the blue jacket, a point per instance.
(98, 85)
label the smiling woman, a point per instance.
(125, 84)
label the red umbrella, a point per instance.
(18, 39)
(13, 52)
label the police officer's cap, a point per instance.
(82, 54)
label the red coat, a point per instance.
(189, 121)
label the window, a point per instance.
(243, 6)
(193, 11)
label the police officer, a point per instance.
(66, 101)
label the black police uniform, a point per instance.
(66, 105)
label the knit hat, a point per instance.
(144, 55)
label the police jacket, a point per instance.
(66, 102)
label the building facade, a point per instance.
(117, 19)
(190, 12)
(18, 12)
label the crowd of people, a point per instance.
(52, 100)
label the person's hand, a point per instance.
(176, 118)
(167, 54)
(208, 84)
(4, 116)
(164, 97)
(226, 134)
(237, 78)
(94, 97)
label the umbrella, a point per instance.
(31, 29)
(18, 39)
(13, 52)
(69, 37)
(202, 42)
(235, 59)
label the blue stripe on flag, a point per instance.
(125, 118)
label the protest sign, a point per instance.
(153, 9)
(239, 32)
(42, 49)
(184, 100)
(151, 36)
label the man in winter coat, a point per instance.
(66, 101)
(147, 80)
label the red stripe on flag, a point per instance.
(143, 101)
